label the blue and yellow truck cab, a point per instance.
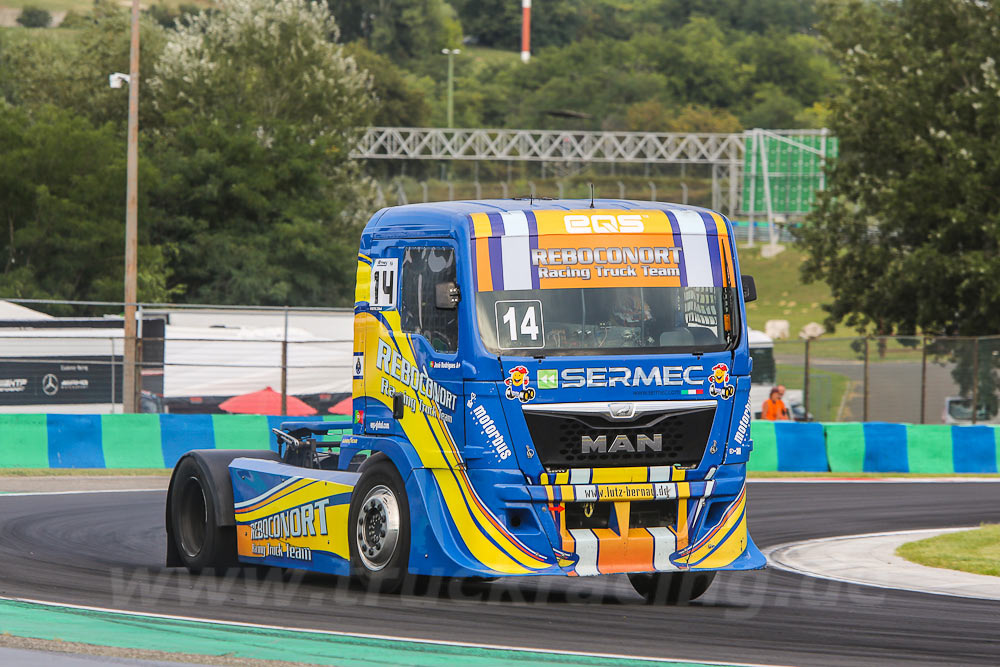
(540, 387)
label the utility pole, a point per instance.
(525, 30)
(451, 53)
(129, 381)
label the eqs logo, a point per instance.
(604, 223)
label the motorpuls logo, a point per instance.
(489, 428)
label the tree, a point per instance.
(907, 232)
(399, 103)
(62, 182)
(73, 73)
(399, 29)
(34, 17)
(258, 198)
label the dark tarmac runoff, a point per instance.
(107, 550)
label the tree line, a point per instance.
(248, 110)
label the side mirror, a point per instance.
(749, 289)
(447, 295)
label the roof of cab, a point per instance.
(449, 217)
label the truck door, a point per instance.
(417, 342)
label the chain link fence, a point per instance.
(908, 379)
(58, 356)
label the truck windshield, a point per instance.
(608, 320)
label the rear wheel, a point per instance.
(379, 523)
(671, 587)
(201, 542)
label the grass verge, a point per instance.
(976, 551)
(84, 472)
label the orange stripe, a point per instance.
(640, 550)
(724, 250)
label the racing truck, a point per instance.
(540, 387)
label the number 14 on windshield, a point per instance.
(520, 324)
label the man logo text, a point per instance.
(621, 443)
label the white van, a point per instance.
(763, 377)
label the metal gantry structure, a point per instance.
(423, 143)
(726, 154)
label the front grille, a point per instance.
(558, 439)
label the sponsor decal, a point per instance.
(718, 382)
(378, 425)
(391, 362)
(517, 385)
(615, 376)
(548, 379)
(488, 427)
(604, 223)
(359, 365)
(349, 440)
(50, 385)
(306, 520)
(13, 384)
(744, 428)
(659, 491)
(607, 262)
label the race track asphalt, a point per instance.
(107, 550)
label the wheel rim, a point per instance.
(193, 514)
(378, 528)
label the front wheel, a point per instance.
(671, 587)
(379, 521)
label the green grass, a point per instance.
(826, 389)
(14, 37)
(976, 551)
(83, 472)
(781, 294)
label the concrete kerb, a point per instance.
(871, 560)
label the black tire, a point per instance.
(671, 587)
(201, 542)
(379, 511)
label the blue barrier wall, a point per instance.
(158, 441)
(130, 441)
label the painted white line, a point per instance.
(391, 638)
(7, 494)
(870, 560)
(872, 480)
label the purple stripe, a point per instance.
(533, 245)
(714, 254)
(475, 255)
(496, 257)
(678, 242)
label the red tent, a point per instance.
(344, 407)
(266, 402)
